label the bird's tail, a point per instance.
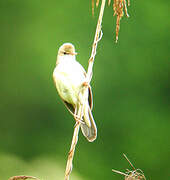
(89, 128)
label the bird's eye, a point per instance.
(65, 52)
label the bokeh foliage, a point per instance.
(131, 89)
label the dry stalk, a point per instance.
(73, 144)
(97, 38)
(135, 174)
(119, 8)
(23, 178)
(79, 114)
(97, 3)
(92, 7)
(109, 1)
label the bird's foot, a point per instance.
(85, 84)
(78, 120)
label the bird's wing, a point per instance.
(71, 108)
(90, 95)
(90, 98)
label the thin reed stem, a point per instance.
(97, 38)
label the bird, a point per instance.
(69, 76)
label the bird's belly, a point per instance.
(68, 85)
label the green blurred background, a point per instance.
(131, 89)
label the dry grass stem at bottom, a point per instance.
(132, 175)
(22, 177)
(135, 174)
(72, 150)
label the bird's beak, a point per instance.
(74, 53)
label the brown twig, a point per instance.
(22, 177)
(98, 36)
(129, 161)
(135, 174)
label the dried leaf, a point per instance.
(119, 7)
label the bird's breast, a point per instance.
(73, 71)
(68, 78)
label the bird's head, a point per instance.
(67, 49)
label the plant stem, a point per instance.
(98, 36)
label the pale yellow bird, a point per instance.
(68, 77)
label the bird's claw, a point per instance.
(78, 120)
(85, 84)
